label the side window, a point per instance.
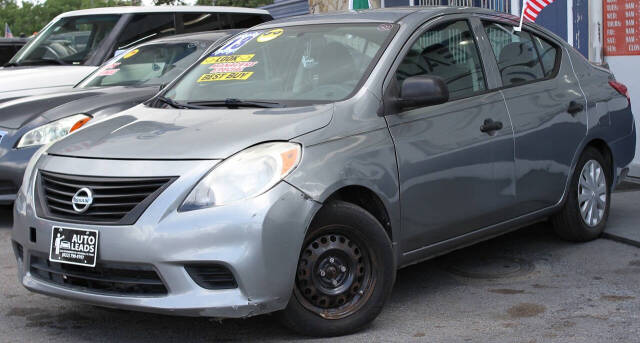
(448, 51)
(198, 22)
(547, 53)
(244, 20)
(517, 54)
(144, 27)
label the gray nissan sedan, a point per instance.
(295, 168)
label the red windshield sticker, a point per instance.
(108, 72)
(109, 69)
(231, 67)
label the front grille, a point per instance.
(212, 276)
(104, 278)
(116, 201)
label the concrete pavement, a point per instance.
(527, 286)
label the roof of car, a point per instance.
(198, 36)
(13, 40)
(388, 15)
(162, 9)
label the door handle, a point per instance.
(575, 107)
(491, 126)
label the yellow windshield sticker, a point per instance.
(131, 53)
(227, 59)
(270, 35)
(225, 76)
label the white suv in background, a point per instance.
(75, 43)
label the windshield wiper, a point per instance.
(235, 103)
(175, 104)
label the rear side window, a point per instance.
(521, 56)
(245, 20)
(448, 51)
(198, 22)
(144, 27)
(547, 53)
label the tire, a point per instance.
(571, 223)
(346, 271)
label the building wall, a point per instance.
(621, 41)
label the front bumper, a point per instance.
(258, 240)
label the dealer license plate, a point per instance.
(74, 246)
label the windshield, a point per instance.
(71, 40)
(147, 65)
(311, 63)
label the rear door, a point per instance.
(546, 105)
(455, 175)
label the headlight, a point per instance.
(244, 175)
(53, 131)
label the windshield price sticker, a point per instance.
(225, 76)
(236, 43)
(228, 59)
(74, 246)
(131, 53)
(270, 35)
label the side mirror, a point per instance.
(423, 90)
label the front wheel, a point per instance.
(345, 274)
(586, 210)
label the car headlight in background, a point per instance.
(245, 175)
(53, 131)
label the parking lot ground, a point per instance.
(527, 286)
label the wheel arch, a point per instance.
(367, 199)
(603, 148)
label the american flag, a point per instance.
(7, 31)
(531, 9)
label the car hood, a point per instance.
(19, 78)
(144, 133)
(40, 109)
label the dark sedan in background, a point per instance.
(123, 82)
(9, 47)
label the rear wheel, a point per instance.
(345, 273)
(586, 210)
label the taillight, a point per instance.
(622, 89)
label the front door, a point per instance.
(455, 159)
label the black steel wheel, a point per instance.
(345, 273)
(335, 275)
